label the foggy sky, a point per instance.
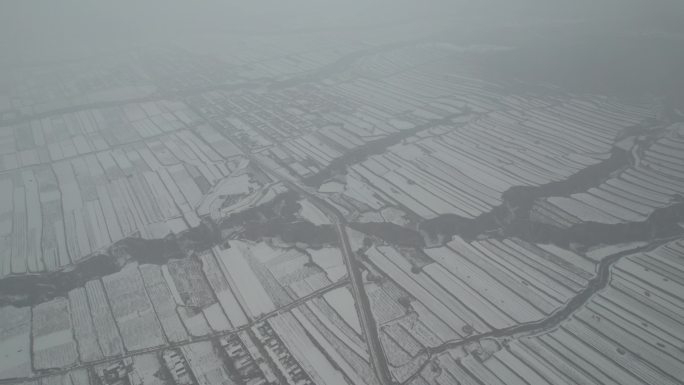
(47, 29)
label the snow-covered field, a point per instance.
(15, 342)
(254, 297)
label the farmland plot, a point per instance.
(330, 260)
(424, 289)
(163, 303)
(132, 309)
(146, 369)
(190, 282)
(628, 333)
(105, 327)
(303, 349)
(243, 280)
(74, 193)
(193, 320)
(342, 301)
(53, 341)
(490, 155)
(84, 330)
(336, 357)
(632, 195)
(15, 342)
(222, 290)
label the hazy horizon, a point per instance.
(34, 31)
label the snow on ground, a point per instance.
(330, 260)
(234, 259)
(371, 217)
(262, 251)
(312, 214)
(355, 238)
(395, 215)
(216, 319)
(303, 349)
(238, 185)
(15, 348)
(342, 301)
(360, 191)
(331, 187)
(145, 368)
(206, 365)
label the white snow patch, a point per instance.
(330, 260)
(312, 214)
(342, 301)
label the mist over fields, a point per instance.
(341, 192)
(558, 41)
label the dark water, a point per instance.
(512, 217)
(36, 288)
